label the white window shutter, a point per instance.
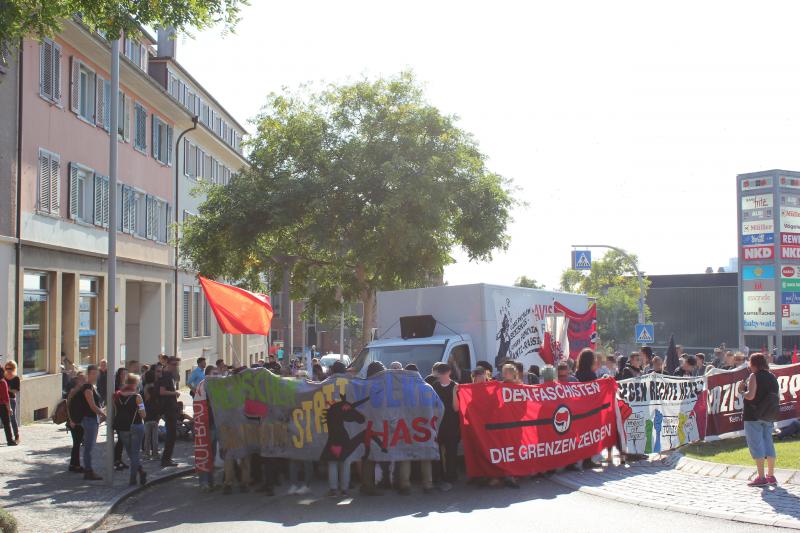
(126, 216)
(55, 184)
(109, 102)
(44, 181)
(169, 145)
(45, 68)
(98, 200)
(101, 102)
(127, 119)
(75, 84)
(106, 201)
(74, 191)
(186, 157)
(156, 139)
(167, 222)
(56, 72)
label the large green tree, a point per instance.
(528, 283)
(612, 281)
(357, 187)
(41, 18)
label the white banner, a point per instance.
(519, 334)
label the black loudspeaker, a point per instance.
(412, 327)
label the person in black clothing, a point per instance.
(119, 381)
(74, 417)
(449, 429)
(152, 411)
(102, 381)
(533, 375)
(761, 407)
(633, 369)
(586, 366)
(168, 395)
(621, 362)
(88, 411)
(14, 384)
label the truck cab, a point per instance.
(456, 350)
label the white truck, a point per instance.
(462, 324)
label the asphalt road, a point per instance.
(540, 505)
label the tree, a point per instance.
(612, 281)
(356, 188)
(528, 283)
(42, 18)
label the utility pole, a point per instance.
(632, 261)
(111, 277)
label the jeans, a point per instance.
(758, 435)
(339, 475)
(5, 418)
(77, 438)
(294, 472)
(14, 427)
(151, 437)
(448, 452)
(132, 441)
(90, 427)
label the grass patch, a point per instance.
(734, 452)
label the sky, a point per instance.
(620, 123)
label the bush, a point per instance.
(8, 524)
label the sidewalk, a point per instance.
(37, 489)
(660, 485)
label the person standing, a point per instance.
(761, 405)
(129, 415)
(449, 433)
(74, 419)
(169, 394)
(5, 412)
(198, 374)
(152, 412)
(633, 368)
(90, 414)
(102, 380)
(13, 381)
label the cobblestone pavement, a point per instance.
(663, 487)
(37, 489)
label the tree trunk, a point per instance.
(369, 298)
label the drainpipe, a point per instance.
(177, 211)
(18, 229)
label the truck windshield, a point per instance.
(422, 355)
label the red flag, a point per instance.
(794, 355)
(238, 311)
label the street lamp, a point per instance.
(632, 261)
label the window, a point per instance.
(87, 321)
(124, 118)
(154, 215)
(49, 193)
(136, 52)
(199, 159)
(101, 200)
(50, 71)
(207, 163)
(187, 298)
(140, 127)
(84, 90)
(162, 141)
(35, 351)
(127, 208)
(187, 158)
(191, 101)
(206, 319)
(140, 207)
(103, 115)
(81, 193)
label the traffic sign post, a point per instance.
(582, 259)
(644, 333)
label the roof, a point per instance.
(416, 341)
(178, 66)
(674, 281)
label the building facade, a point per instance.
(54, 223)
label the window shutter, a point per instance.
(149, 217)
(186, 303)
(98, 200)
(74, 191)
(56, 76)
(55, 184)
(186, 157)
(75, 87)
(45, 68)
(44, 181)
(109, 102)
(99, 117)
(106, 201)
(126, 215)
(156, 136)
(165, 225)
(126, 135)
(169, 146)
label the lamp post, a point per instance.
(632, 261)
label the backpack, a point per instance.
(60, 414)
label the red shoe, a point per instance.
(771, 480)
(758, 482)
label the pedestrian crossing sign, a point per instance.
(582, 259)
(644, 333)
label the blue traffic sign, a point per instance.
(582, 259)
(644, 334)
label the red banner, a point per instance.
(238, 311)
(203, 460)
(518, 430)
(581, 328)
(725, 402)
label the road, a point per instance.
(540, 505)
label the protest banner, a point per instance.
(203, 458)
(661, 412)
(518, 430)
(725, 402)
(392, 416)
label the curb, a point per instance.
(90, 524)
(691, 465)
(708, 513)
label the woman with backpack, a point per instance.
(761, 402)
(129, 416)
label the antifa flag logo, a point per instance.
(562, 419)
